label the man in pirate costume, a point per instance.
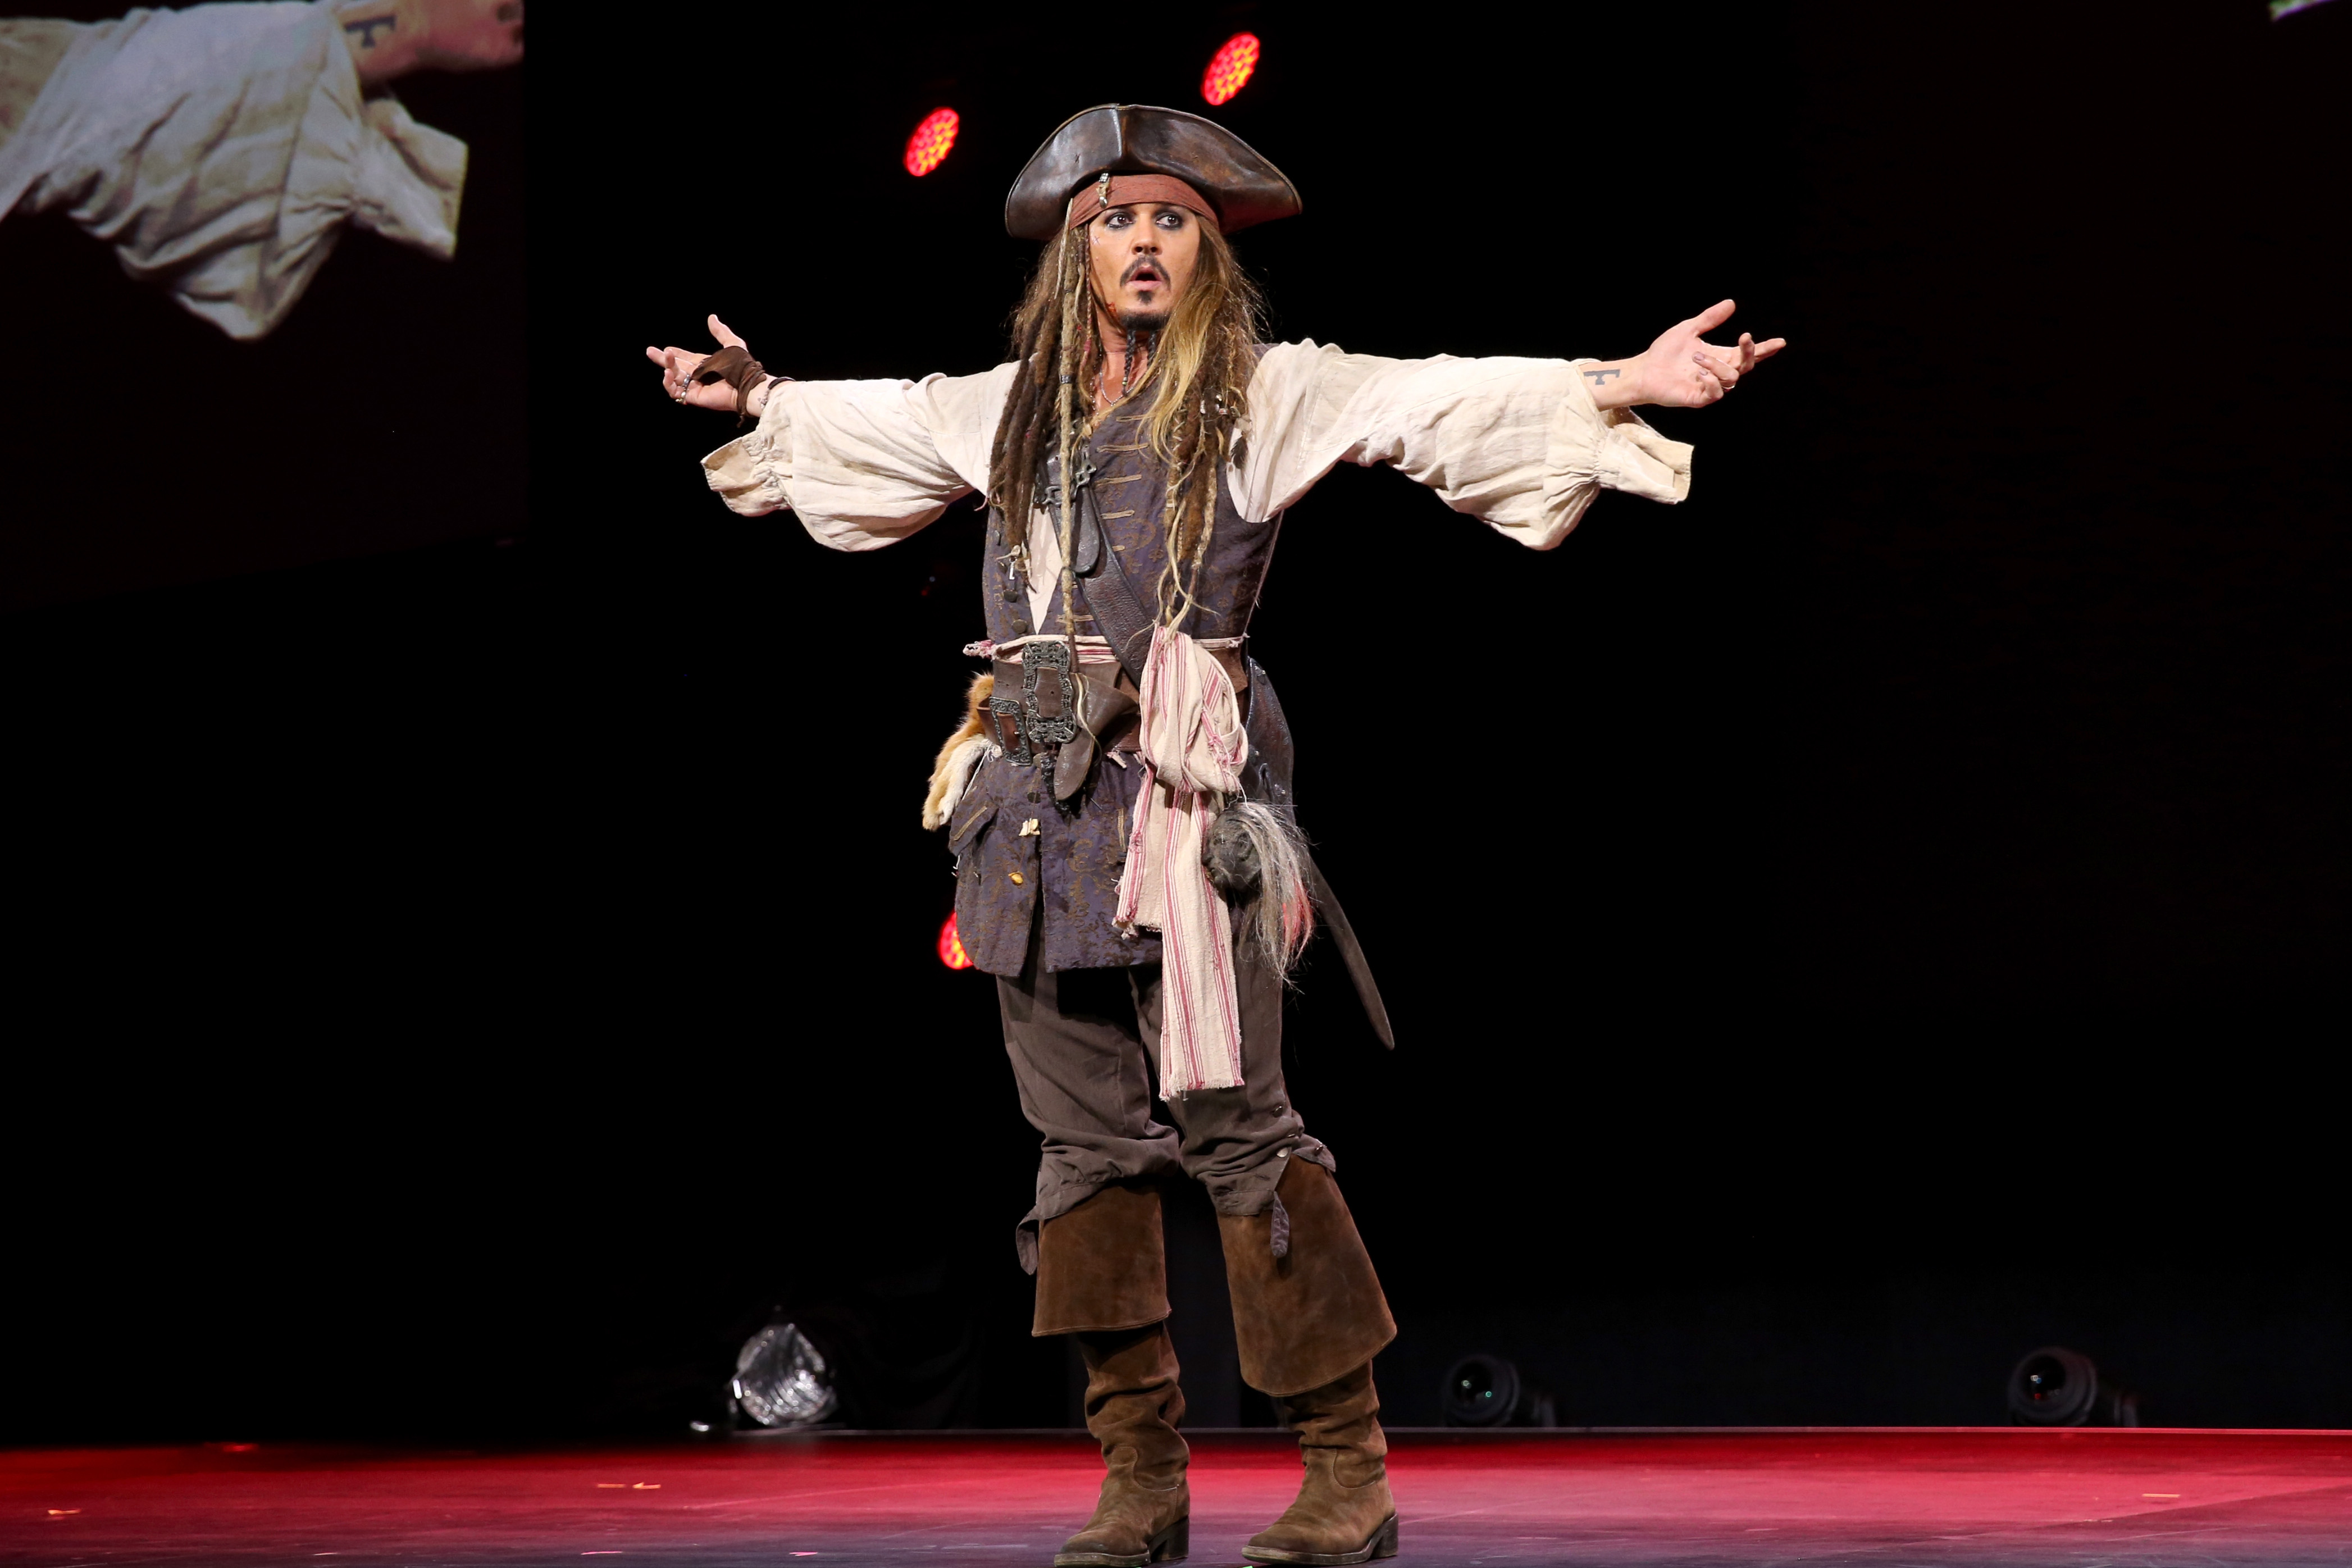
(1119, 799)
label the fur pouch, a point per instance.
(964, 752)
(1254, 857)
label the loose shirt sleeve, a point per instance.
(864, 463)
(222, 149)
(1517, 443)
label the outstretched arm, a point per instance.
(862, 463)
(1680, 370)
(222, 149)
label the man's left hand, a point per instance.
(1681, 370)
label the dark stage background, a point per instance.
(1880, 917)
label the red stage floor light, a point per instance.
(928, 148)
(951, 952)
(1230, 68)
(1971, 1497)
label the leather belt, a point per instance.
(1034, 712)
(1034, 707)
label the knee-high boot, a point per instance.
(1133, 1405)
(1308, 1320)
(1102, 1275)
(1343, 1513)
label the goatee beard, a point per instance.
(1142, 321)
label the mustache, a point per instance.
(1138, 265)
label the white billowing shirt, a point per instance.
(221, 149)
(1517, 443)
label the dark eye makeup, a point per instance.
(1119, 217)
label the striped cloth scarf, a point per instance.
(1192, 749)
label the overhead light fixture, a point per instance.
(928, 148)
(781, 1381)
(2058, 1387)
(1230, 68)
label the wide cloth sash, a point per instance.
(1193, 748)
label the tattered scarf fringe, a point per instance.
(1192, 749)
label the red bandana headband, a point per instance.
(1126, 190)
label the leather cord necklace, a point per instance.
(1151, 341)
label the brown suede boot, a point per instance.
(1344, 1512)
(1308, 1315)
(1132, 1408)
(1307, 1305)
(1103, 1265)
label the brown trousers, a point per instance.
(1085, 1047)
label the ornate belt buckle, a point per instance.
(1005, 725)
(1060, 724)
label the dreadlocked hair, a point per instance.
(1044, 389)
(1202, 365)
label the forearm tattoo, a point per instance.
(1600, 377)
(365, 28)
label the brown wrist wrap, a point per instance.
(734, 366)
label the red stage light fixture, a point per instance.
(1230, 68)
(951, 952)
(927, 149)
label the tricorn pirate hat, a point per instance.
(1136, 139)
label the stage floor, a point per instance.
(2081, 1498)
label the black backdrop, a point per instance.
(1877, 918)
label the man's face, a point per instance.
(1143, 257)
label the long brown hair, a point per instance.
(1203, 365)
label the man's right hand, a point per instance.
(678, 365)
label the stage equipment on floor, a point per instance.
(780, 1380)
(1487, 1391)
(927, 149)
(1230, 68)
(2058, 1387)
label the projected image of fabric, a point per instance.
(220, 150)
